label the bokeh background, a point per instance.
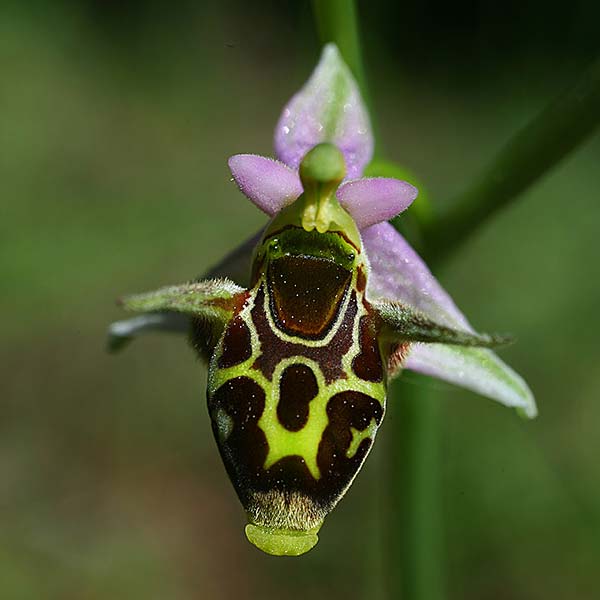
(116, 120)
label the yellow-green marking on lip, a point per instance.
(281, 542)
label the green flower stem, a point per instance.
(416, 563)
(337, 22)
(533, 151)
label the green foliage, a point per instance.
(114, 177)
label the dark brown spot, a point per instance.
(367, 364)
(245, 449)
(274, 349)
(237, 345)
(297, 387)
(290, 473)
(306, 294)
(346, 410)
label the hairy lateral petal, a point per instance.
(270, 184)
(476, 369)
(372, 200)
(398, 273)
(329, 108)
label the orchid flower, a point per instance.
(302, 343)
(397, 272)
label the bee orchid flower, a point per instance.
(304, 325)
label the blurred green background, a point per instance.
(116, 120)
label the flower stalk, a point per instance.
(538, 147)
(337, 22)
(415, 491)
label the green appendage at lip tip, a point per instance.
(281, 542)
